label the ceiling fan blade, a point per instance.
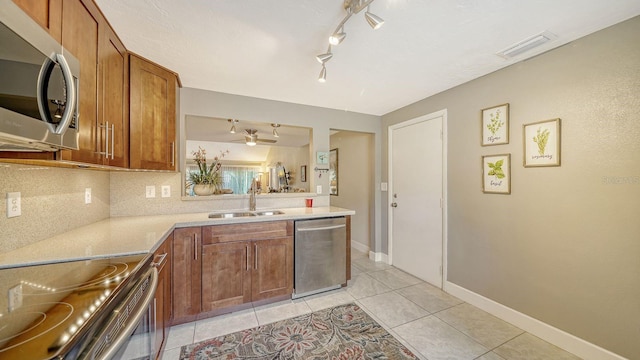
(266, 141)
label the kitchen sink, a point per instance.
(236, 214)
(231, 215)
(269, 212)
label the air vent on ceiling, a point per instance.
(526, 45)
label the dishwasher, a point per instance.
(320, 251)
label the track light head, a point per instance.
(337, 37)
(323, 74)
(233, 125)
(323, 58)
(275, 131)
(374, 21)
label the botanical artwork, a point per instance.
(495, 125)
(542, 143)
(303, 173)
(496, 174)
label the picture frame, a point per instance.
(303, 173)
(496, 174)
(322, 157)
(541, 142)
(333, 172)
(495, 125)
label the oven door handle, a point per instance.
(127, 329)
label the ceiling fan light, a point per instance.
(251, 140)
(323, 74)
(337, 38)
(374, 21)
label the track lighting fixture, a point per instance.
(323, 74)
(352, 7)
(375, 21)
(233, 125)
(275, 131)
(323, 58)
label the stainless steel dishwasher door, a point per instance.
(320, 255)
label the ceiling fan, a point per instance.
(251, 138)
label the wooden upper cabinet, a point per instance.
(47, 13)
(113, 105)
(80, 34)
(152, 109)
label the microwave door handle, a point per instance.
(41, 95)
(70, 105)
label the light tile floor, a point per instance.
(431, 323)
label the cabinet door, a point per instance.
(81, 21)
(152, 116)
(226, 275)
(113, 112)
(162, 301)
(272, 269)
(47, 13)
(186, 274)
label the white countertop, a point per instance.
(133, 235)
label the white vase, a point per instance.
(204, 189)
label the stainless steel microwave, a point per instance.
(38, 86)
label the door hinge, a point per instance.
(440, 269)
(441, 203)
(440, 134)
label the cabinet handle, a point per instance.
(113, 136)
(255, 251)
(106, 140)
(195, 246)
(246, 250)
(173, 153)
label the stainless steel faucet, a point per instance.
(252, 196)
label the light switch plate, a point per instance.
(166, 191)
(151, 191)
(319, 189)
(15, 297)
(14, 206)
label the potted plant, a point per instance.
(207, 177)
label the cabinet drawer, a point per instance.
(246, 231)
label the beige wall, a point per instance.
(291, 158)
(52, 202)
(564, 247)
(356, 186)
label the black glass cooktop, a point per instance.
(53, 305)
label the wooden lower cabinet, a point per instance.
(162, 301)
(220, 268)
(236, 273)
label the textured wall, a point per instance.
(564, 246)
(356, 185)
(52, 202)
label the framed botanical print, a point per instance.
(541, 143)
(495, 125)
(496, 174)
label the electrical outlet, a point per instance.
(87, 196)
(319, 189)
(151, 191)
(166, 191)
(15, 297)
(14, 207)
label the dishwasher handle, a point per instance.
(321, 228)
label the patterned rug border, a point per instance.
(342, 332)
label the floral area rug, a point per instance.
(344, 332)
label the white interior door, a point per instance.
(416, 197)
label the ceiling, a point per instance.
(267, 48)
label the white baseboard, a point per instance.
(360, 247)
(555, 336)
(379, 257)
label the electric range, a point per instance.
(54, 310)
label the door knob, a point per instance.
(394, 204)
